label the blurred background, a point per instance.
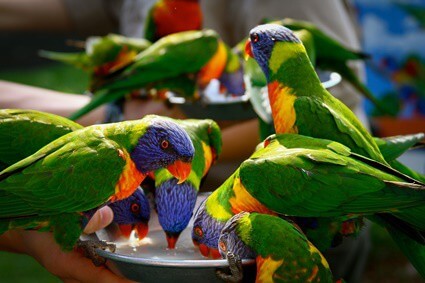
(391, 31)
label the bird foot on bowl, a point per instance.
(89, 249)
(235, 266)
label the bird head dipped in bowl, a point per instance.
(149, 260)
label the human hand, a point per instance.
(68, 266)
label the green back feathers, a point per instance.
(23, 132)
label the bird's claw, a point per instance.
(235, 266)
(89, 249)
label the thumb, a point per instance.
(102, 218)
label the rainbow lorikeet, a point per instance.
(295, 165)
(132, 213)
(172, 16)
(85, 169)
(175, 202)
(183, 53)
(103, 56)
(281, 251)
(23, 132)
(299, 102)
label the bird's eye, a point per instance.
(135, 208)
(254, 37)
(222, 246)
(198, 232)
(164, 144)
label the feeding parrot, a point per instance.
(175, 202)
(308, 177)
(284, 255)
(85, 169)
(103, 56)
(172, 16)
(23, 132)
(132, 213)
(183, 53)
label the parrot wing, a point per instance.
(68, 175)
(312, 183)
(308, 110)
(23, 132)
(392, 147)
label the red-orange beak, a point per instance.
(180, 170)
(142, 230)
(126, 229)
(248, 50)
(172, 239)
(209, 252)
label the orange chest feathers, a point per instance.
(282, 103)
(129, 179)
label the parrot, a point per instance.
(171, 16)
(298, 100)
(46, 190)
(175, 202)
(284, 255)
(103, 55)
(171, 56)
(24, 131)
(132, 213)
(292, 161)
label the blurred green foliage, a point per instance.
(53, 76)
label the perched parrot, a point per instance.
(308, 177)
(299, 102)
(86, 169)
(171, 56)
(256, 83)
(175, 202)
(172, 16)
(281, 251)
(102, 56)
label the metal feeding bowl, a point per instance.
(149, 260)
(217, 106)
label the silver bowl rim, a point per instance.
(182, 263)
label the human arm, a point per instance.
(68, 266)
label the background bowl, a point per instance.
(150, 261)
